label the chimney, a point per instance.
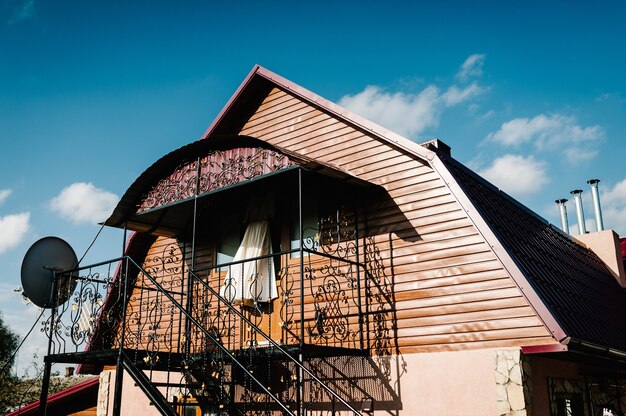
(579, 211)
(563, 210)
(596, 203)
(437, 145)
(606, 245)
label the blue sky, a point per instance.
(531, 95)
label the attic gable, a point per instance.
(258, 85)
(293, 118)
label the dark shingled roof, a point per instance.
(575, 285)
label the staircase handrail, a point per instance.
(274, 344)
(210, 336)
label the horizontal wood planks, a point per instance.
(444, 286)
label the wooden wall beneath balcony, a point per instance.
(442, 287)
(167, 261)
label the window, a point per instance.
(229, 238)
(310, 225)
(570, 405)
(567, 397)
(255, 280)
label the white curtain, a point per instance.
(252, 281)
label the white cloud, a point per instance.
(472, 67)
(13, 229)
(516, 175)
(576, 154)
(404, 113)
(455, 95)
(84, 203)
(554, 131)
(407, 114)
(545, 131)
(614, 207)
(4, 194)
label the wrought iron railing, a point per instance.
(324, 287)
(110, 300)
(215, 351)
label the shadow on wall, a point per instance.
(363, 381)
(368, 382)
(385, 222)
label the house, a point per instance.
(299, 259)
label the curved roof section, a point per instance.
(131, 200)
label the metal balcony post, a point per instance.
(358, 278)
(119, 368)
(45, 382)
(300, 391)
(189, 303)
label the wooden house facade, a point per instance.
(299, 259)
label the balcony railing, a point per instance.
(245, 355)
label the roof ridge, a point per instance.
(342, 113)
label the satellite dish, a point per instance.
(46, 258)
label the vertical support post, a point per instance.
(119, 368)
(189, 303)
(300, 391)
(195, 216)
(45, 383)
(358, 279)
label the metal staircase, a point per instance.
(201, 350)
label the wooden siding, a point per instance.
(165, 261)
(444, 287)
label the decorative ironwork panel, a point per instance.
(590, 396)
(607, 395)
(76, 321)
(153, 323)
(218, 169)
(223, 168)
(181, 184)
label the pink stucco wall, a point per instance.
(134, 401)
(449, 383)
(445, 383)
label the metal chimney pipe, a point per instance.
(596, 203)
(563, 209)
(579, 210)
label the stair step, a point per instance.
(166, 384)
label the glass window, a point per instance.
(310, 225)
(229, 238)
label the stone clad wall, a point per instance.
(513, 391)
(102, 408)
